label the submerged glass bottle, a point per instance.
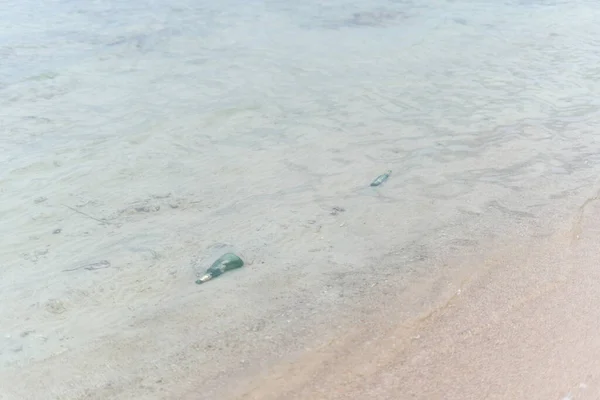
(225, 263)
(381, 178)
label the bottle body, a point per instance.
(381, 178)
(225, 263)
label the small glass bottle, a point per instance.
(225, 263)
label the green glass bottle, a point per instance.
(225, 263)
(381, 178)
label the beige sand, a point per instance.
(526, 328)
(517, 322)
(328, 303)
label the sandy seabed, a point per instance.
(519, 321)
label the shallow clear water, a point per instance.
(244, 123)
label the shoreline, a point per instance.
(523, 328)
(293, 349)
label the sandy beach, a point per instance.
(519, 321)
(526, 330)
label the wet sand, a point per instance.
(527, 327)
(518, 321)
